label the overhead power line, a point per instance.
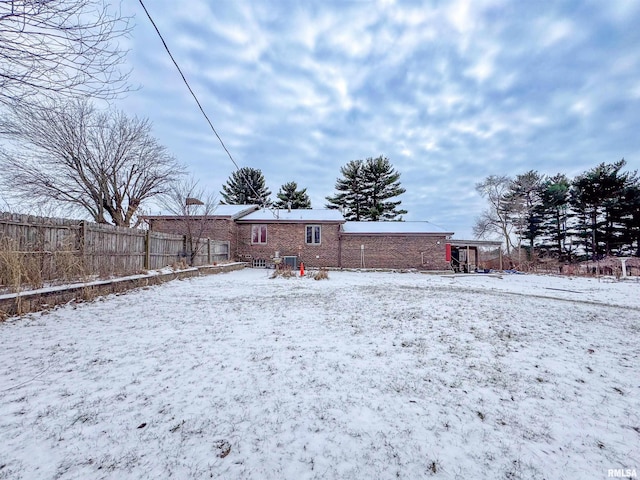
(184, 79)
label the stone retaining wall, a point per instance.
(43, 299)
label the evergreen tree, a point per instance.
(290, 197)
(598, 213)
(553, 214)
(246, 186)
(596, 199)
(381, 185)
(631, 217)
(366, 190)
(523, 200)
(351, 195)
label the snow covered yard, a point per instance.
(364, 375)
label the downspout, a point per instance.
(237, 228)
(339, 246)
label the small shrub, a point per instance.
(180, 265)
(321, 274)
(282, 271)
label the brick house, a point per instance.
(309, 236)
(320, 238)
(417, 245)
(220, 225)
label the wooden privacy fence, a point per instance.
(59, 249)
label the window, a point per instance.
(313, 234)
(259, 263)
(258, 234)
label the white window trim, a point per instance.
(266, 236)
(307, 227)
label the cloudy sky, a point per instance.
(449, 91)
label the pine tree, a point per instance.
(366, 190)
(381, 185)
(290, 197)
(596, 199)
(553, 215)
(351, 197)
(246, 186)
(631, 217)
(523, 199)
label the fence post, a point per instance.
(185, 254)
(83, 245)
(147, 250)
(208, 251)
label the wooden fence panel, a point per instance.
(220, 251)
(165, 249)
(110, 250)
(62, 250)
(211, 251)
(45, 249)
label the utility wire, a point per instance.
(184, 79)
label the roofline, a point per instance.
(183, 217)
(400, 234)
(210, 216)
(475, 243)
(246, 211)
(285, 220)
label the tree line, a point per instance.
(595, 214)
(366, 191)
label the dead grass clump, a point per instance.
(181, 265)
(68, 263)
(17, 268)
(321, 274)
(284, 272)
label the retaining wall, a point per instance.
(43, 299)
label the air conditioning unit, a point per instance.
(290, 261)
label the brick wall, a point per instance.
(419, 251)
(290, 240)
(424, 252)
(223, 229)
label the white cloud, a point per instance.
(582, 108)
(555, 32)
(483, 69)
(460, 16)
(457, 90)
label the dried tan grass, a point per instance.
(283, 271)
(18, 269)
(180, 265)
(31, 269)
(322, 274)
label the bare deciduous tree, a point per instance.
(193, 207)
(497, 218)
(102, 162)
(60, 47)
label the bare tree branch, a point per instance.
(53, 48)
(103, 163)
(498, 217)
(193, 208)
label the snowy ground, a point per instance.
(364, 375)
